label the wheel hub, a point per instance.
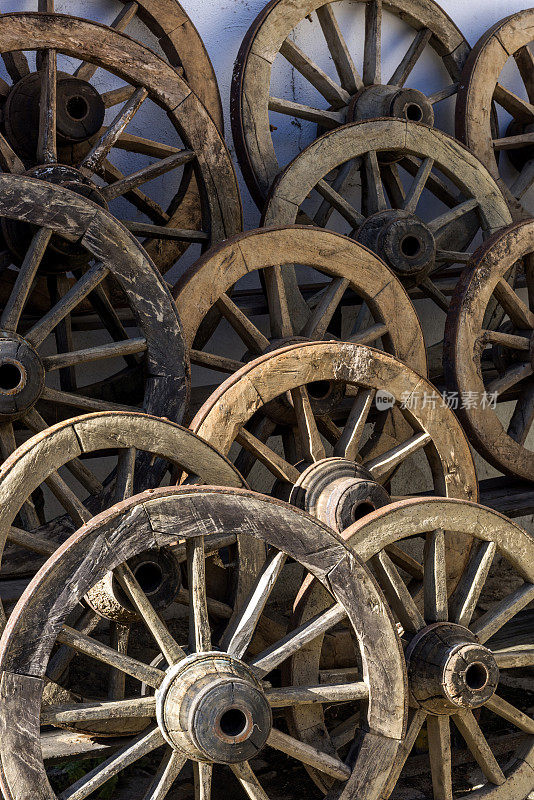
(448, 669)
(390, 101)
(338, 492)
(403, 241)
(21, 376)
(211, 707)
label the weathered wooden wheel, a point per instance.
(278, 30)
(46, 359)
(419, 225)
(509, 361)
(457, 650)
(223, 693)
(83, 142)
(174, 32)
(344, 273)
(479, 85)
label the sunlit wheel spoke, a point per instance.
(308, 755)
(82, 712)
(439, 745)
(464, 599)
(479, 747)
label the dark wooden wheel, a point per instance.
(496, 366)
(482, 82)
(460, 648)
(214, 681)
(53, 117)
(281, 36)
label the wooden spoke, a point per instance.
(31, 541)
(517, 310)
(164, 165)
(68, 499)
(248, 780)
(135, 196)
(245, 329)
(444, 220)
(240, 631)
(321, 317)
(170, 767)
(80, 401)
(396, 591)
(372, 57)
(9, 160)
(349, 441)
(83, 287)
(511, 377)
(439, 745)
(328, 119)
(524, 181)
(124, 481)
(525, 63)
(138, 144)
(310, 441)
(338, 202)
(162, 232)
(478, 745)
(336, 95)
(304, 695)
(86, 70)
(133, 751)
(119, 638)
(215, 607)
(523, 415)
(416, 189)
(280, 468)
(511, 714)
(414, 728)
(58, 286)
(274, 655)
(46, 145)
(443, 94)
(110, 319)
(465, 597)
(307, 754)
(411, 57)
(430, 289)
(345, 175)
(492, 621)
(347, 72)
(16, 65)
(520, 109)
(115, 96)
(202, 774)
(382, 465)
(373, 199)
(199, 626)
(435, 577)
(514, 142)
(393, 184)
(101, 149)
(405, 561)
(515, 657)
(370, 335)
(84, 712)
(97, 353)
(169, 647)
(277, 302)
(212, 361)
(434, 183)
(17, 299)
(95, 649)
(452, 256)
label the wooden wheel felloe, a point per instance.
(85, 141)
(424, 198)
(508, 364)
(480, 85)
(458, 652)
(334, 98)
(233, 694)
(344, 272)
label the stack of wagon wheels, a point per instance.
(257, 487)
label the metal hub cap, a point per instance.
(448, 669)
(211, 707)
(402, 240)
(21, 376)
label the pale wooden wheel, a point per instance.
(345, 275)
(87, 144)
(340, 92)
(481, 84)
(508, 366)
(423, 198)
(458, 650)
(214, 682)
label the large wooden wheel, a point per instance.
(344, 275)
(336, 92)
(422, 201)
(481, 84)
(90, 146)
(208, 700)
(457, 649)
(170, 27)
(506, 353)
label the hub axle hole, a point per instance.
(410, 246)
(361, 510)
(77, 107)
(414, 112)
(476, 676)
(10, 376)
(233, 722)
(319, 389)
(149, 576)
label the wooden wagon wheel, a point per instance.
(480, 84)
(344, 271)
(84, 142)
(345, 97)
(457, 648)
(419, 225)
(508, 368)
(174, 32)
(211, 706)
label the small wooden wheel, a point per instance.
(334, 99)
(480, 85)
(349, 271)
(419, 225)
(209, 701)
(174, 32)
(458, 651)
(508, 365)
(89, 146)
